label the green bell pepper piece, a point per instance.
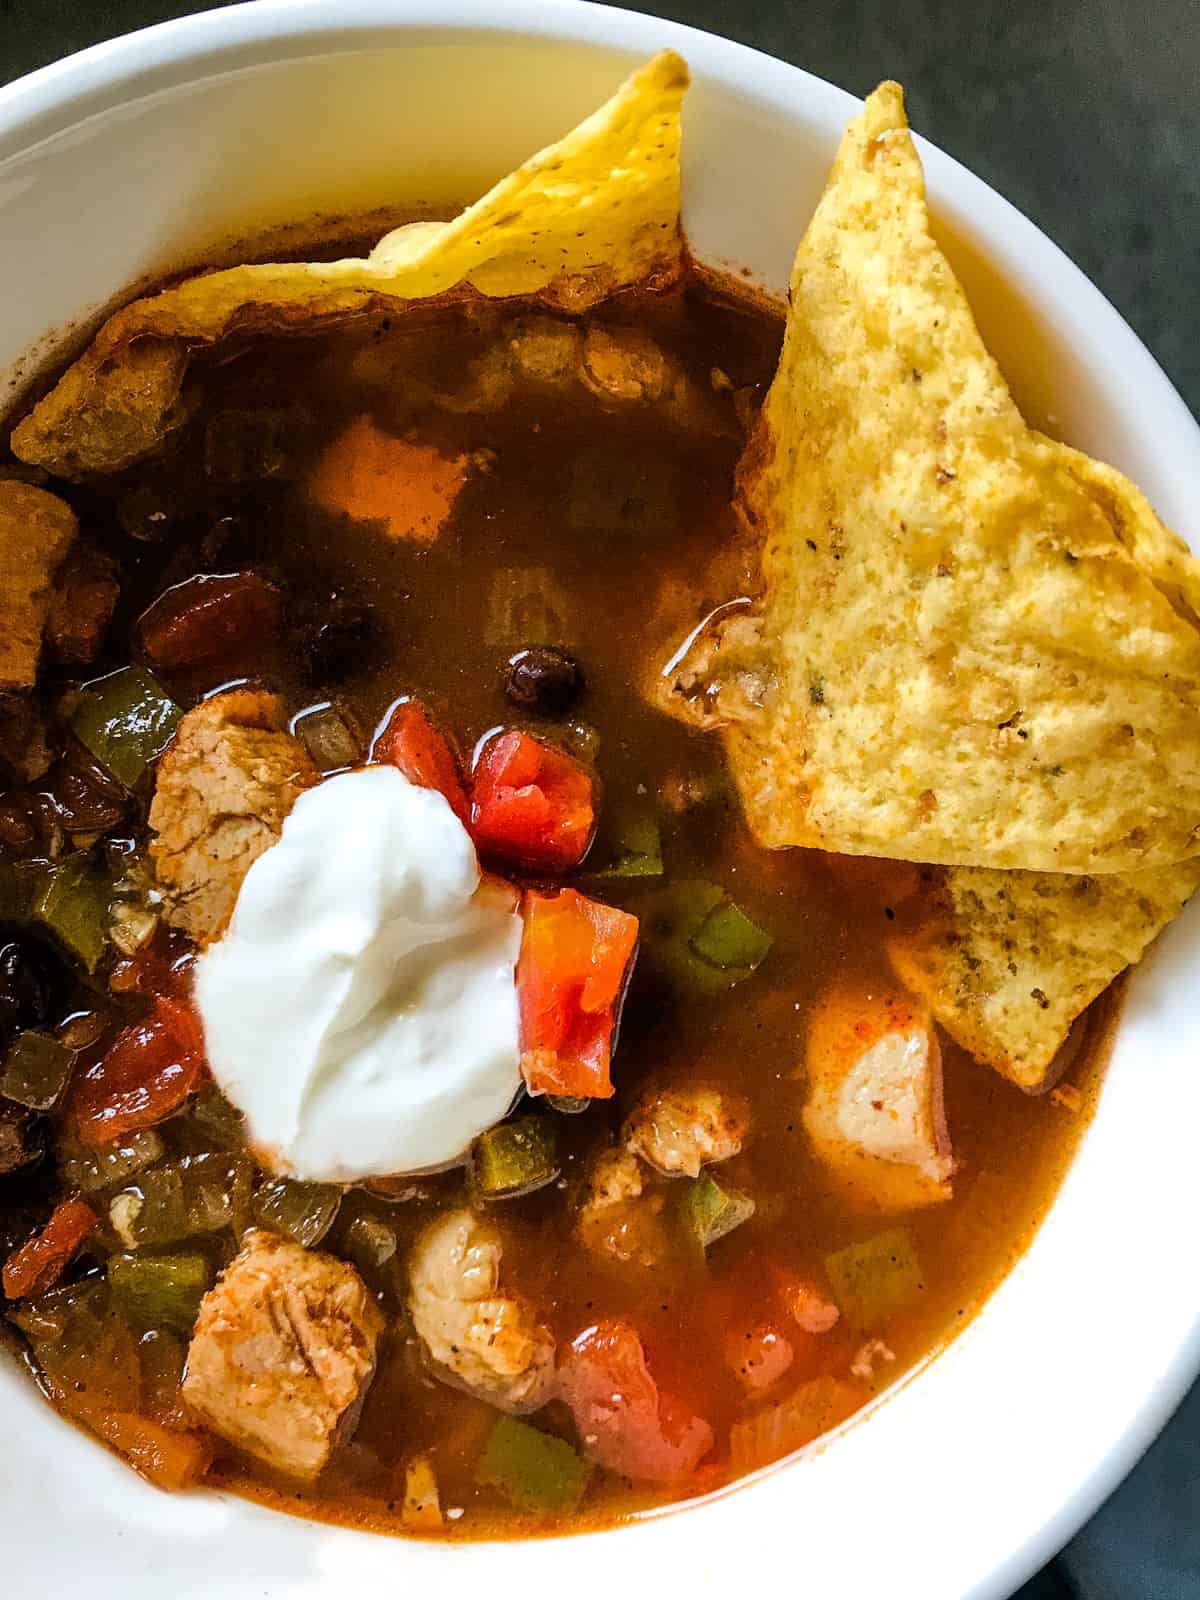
(126, 720)
(536, 1471)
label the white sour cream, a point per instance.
(362, 1009)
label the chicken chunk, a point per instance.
(225, 784)
(874, 1111)
(477, 1336)
(679, 1130)
(36, 531)
(283, 1354)
(617, 1217)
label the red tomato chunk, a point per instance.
(411, 743)
(532, 805)
(208, 618)
(576, 956)
(40, 1263)
(147, 1073)
(626, 1422)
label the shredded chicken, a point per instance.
(681, 1129)
(477, 1336)
(617, 1217)
(283, 1353)
(224, 787)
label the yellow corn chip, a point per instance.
(1016, 956)
(978, 647)
(593, 214)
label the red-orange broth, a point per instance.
(595, 527)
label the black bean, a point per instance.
(26, 986)
(339, 644)
(543, 679)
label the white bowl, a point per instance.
(136, 155)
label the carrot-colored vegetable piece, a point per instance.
(42, 1260)
(209, 617)
(626, 1422)
(411, 742)
(147, 1072)
(531, 804)
(170, 1458)
(374, 476)
(576, 955)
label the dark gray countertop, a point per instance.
(1086, 114)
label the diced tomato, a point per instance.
(208, 618)
(162, 967)
(147, 1072)
(625, 1421)
(531, 804)
(576, 956)
(42, 1260)
(412, 743)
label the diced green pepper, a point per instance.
(535, 1470)
(329, 738)
(515, 1158)
(161, 1291)
(220, 1119)
(198, 1194)
(874, 1278)
(72, 902)
(90, 1169)
(303, 1212)
(126, 720)
(728, 939)
(711, 1208)
(36, 1070)
(369, 1243)
(638, 853)
(699, 937)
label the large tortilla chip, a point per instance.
(1016, 956)
(593, 214)
(978, 647)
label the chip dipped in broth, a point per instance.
(595, 213)
(978, 647)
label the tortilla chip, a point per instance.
(1016, 956)
(593, 214)
(978, 647)
(36, 531)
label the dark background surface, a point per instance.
(1086, 114)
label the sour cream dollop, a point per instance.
(361, 1010)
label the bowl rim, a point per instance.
(187, 49)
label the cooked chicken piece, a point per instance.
(283, 1354)
(476, 1336)
(869, 1357)
(874, 1111)
(225, 784)
(36, 531)
(682, 1129)
(813, 1311)
(617, 1218)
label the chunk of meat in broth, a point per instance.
(874, 1111)
(283, 1353)
(619, 1217)
(476, 1335)
(680, 1129)
(36, 531)
(225, 784)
